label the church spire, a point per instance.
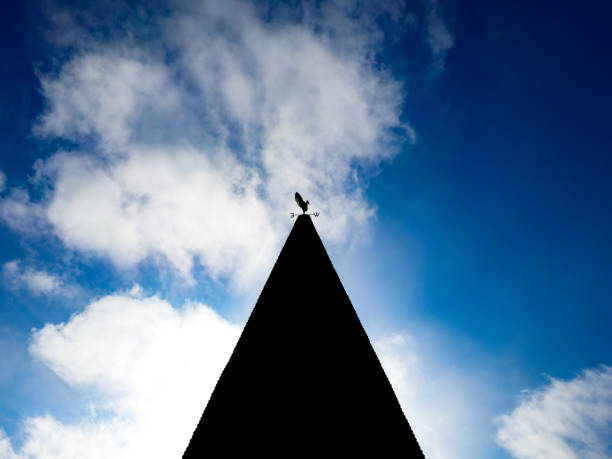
(303, 378)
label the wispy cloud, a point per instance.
(16, 275)
(564, 419)
(218, 120)
(439, 36)
(19, 213)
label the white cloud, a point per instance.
(179, 204)
(104, 93)
(445, 404)
(564, 419)
(197, 156)
(6, 449)
(2, 181)
(149, 368)
(39, 282)
(21, 214)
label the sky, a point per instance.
(458, 154)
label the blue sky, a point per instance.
(458, 153)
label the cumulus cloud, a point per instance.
(6, 449)
(38, 282)
(564, 419)
(185, 140)
(2, 181)
(179, 204)
(149, 367)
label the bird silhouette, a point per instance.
(303, 205)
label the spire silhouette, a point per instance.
(303, 378)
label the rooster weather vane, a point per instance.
(303, 205)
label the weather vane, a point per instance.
(303, 205)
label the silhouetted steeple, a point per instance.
(303, 378)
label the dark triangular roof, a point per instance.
(303, 377)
